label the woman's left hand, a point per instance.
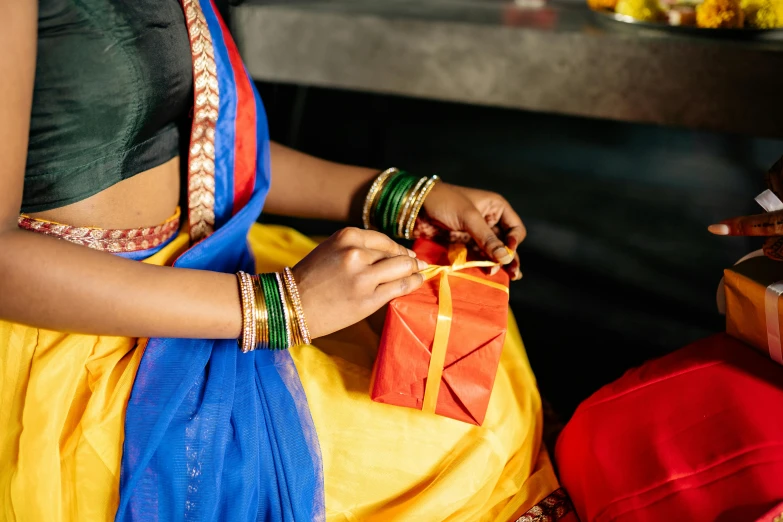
(485, 217)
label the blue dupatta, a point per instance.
(211, 433)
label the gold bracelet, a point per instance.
(375, 189)
(289, 312)
(418, 204)
(248, 337)
(298, 309)
(281, 290)
(293, 290)
(245, 338)
(408, 206)
(254, 311)
(296, 330)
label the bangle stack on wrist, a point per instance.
(394, 202)
(272, 314)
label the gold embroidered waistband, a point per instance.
(109, 240)
(554, 507)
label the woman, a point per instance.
(151, 411)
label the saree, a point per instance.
(102, 428)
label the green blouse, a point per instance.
(113, 89)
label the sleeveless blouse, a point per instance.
(113, 89)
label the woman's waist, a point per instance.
(135, 218)
(145, 200)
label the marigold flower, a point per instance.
(645, 10)
(763, 14)
(720, 14)
(602, 4)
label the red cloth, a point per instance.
(695, 435)
(475, 342)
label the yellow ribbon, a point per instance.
(458, 257)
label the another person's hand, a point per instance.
(351, 275)
(466, 214)
(768, 225)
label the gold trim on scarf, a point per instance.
(201, 155)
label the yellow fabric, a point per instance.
(63, 399)
(458, 256)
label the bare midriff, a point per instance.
(145, 200)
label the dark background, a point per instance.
(618, 265)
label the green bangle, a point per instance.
(394, 195)
(270, 310)
(281, 335)
(396, 204)
(383, 200)
(275, 313)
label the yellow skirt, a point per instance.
(63, 399)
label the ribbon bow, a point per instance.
(458, 257)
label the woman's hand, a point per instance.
(351, 275)
(485, 217)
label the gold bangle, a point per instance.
(296, 329)
(254, 298)
(247, 339)
(253, 312)
(418, 204)
(375, 189)
(244, 340)
(296, 323)
(281, 290)
(409, 200)
(294, 341)
(293, 290)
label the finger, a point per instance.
(475, 225)
(393, 289)
(768, 224)
(513, 269)
(382, 243)
(514, 228)
(773, 248)
(352, 237)
(394, 268)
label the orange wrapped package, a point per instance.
(441, 345)
(754, 311)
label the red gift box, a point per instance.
(467, 311)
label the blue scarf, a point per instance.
(211, 433)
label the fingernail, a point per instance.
(504, 255)
(494, 270)
(411, 253)
(505, 258)
(518, 276)
(422, 264)
(720, 230)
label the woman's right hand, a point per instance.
(350, 276)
